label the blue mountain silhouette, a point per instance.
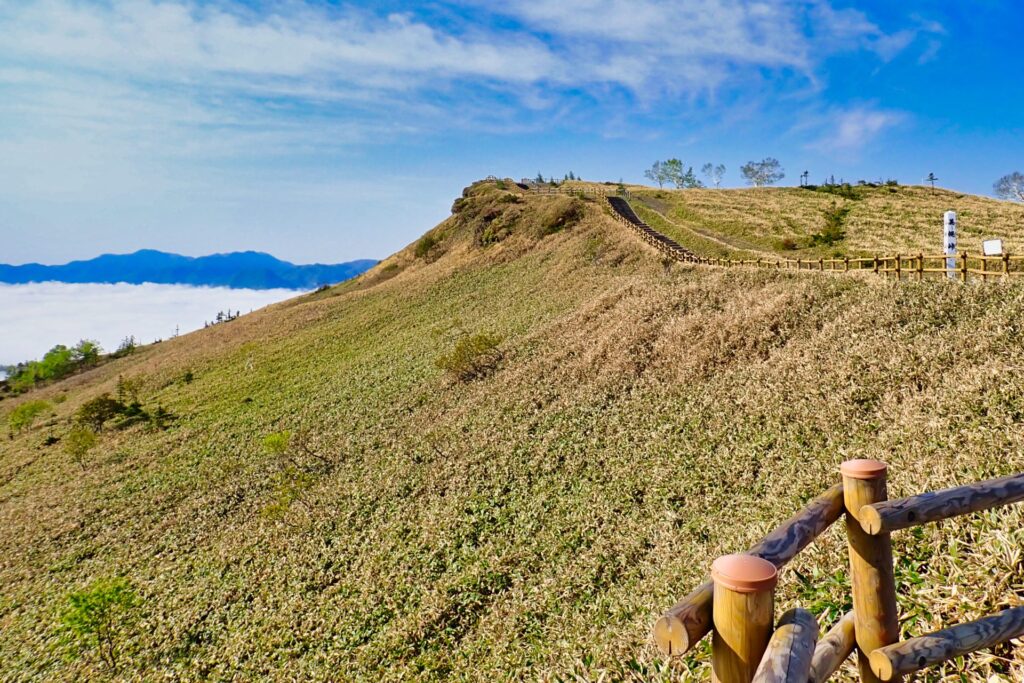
(246, 269)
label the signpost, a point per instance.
(949, 223)
(992, 247)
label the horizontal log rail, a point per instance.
(832, 650)
(871, 629)
(912, 655)
(935, 506)
(682, 626)
(789, 653)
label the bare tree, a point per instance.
(768, 171)
(657, 173)
(713, 173)
(1010, 187)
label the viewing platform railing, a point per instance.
(737, 604)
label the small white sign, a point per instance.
(992, 247)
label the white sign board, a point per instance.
(992, 247)
(949, 242)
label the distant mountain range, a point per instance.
(239, 270)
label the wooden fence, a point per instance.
(736, 605)
(966, 266)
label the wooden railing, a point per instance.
(899, 267)
(735, 604)
(582, 190)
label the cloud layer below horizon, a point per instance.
(37, 317)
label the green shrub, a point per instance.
(562, 214)
(835, 217)
(129, 388)
(96, 412)
(277, 443)
(290, 487)
(23, 416)
(473, 356)
(161, 418)
(425, 244)
(79, 441)
(99, 617)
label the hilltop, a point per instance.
(248, 269)
(783, 221)
(500, 453)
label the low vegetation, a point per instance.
(330, 502)
(58, 362)
(99, 619)
(473, 356)
(24, 415)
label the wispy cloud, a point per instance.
(850, 131)
(319, 55)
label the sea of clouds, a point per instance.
(36, 317)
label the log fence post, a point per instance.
(742, 612)
(963, 267)
(871, 566)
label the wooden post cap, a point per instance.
(863, 469)
(744, 573)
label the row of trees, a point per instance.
(60, 361)
(768, 171)
(673, 171)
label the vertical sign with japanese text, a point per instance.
(949, 242)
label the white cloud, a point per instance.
(851, 130)
(175, 39)
(313, 52)
(39, 316)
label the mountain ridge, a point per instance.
(331, 495)
(237, 270)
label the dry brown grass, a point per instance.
(532, 523)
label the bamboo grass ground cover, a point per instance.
(529, 522)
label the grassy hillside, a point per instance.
(635, 421)
(770, 221)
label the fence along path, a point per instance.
(793, 653)
(899, 266)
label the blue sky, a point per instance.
(328, 131)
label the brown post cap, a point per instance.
(744, 573)
(863, 469)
